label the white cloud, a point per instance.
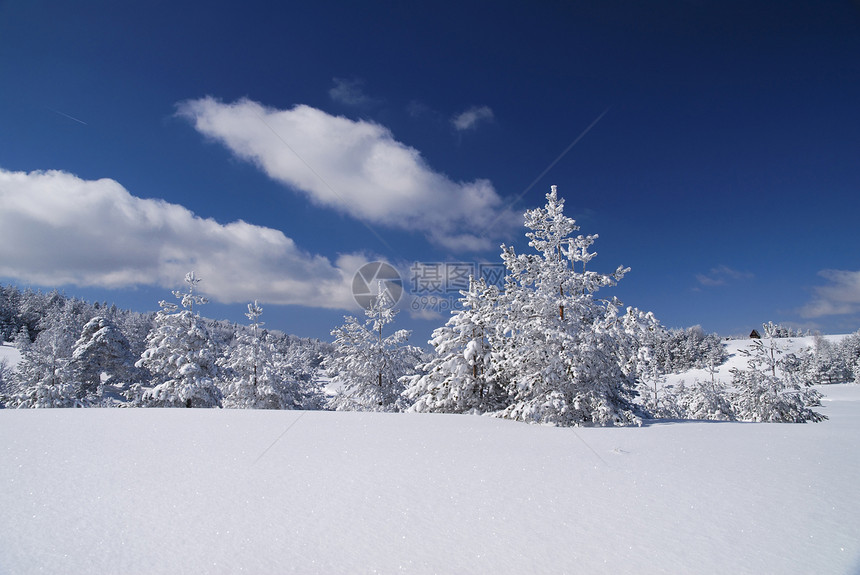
(358, 168)
(722, 275)
(841, 297)
(57, 229)
(350, 92)
(470, 118)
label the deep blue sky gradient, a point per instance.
(725, 171)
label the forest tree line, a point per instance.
(543, 348)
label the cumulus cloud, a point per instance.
(841, 297)
(470, 118)
(56, 228)
(722, 275)
(357, 168)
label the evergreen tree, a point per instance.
(8, 329)
(562, 357)
(180, 355)
(101, 351)
(43, 376)
(707, 400)
(825, 367)
(849, 354)
(5, 381)
(642, 331)
(366, 366)
(254, 378)
(761, 395)
(461, 377)
(22, 339)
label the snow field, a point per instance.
(10, 353)
(225, 491)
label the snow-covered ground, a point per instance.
(225, 491)
(10, 353)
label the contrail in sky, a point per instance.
(67, 116)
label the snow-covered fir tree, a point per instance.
(5, 380)
(761, 394)
(22, 339)
(643, 333)
(180, 355)
(708, 400)
(43, 377)
(562, 356)
(253, 376)
(550, 352)
(367, 366)
(102, 354)
(461, 377)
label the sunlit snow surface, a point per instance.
(9, 353)
(224, 491)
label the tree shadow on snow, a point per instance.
(677, 421)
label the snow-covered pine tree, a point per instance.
(561, 350)
(180, 356)
(366, 366)
(22, 339)
(714, 358)
(102, 351)
(760, 394)
(8, 329)
(43, 375)
(300, 360)
(643, 333)
(461, 378)
(849, 353)
(252, 378)
(703, 400)
(5, 381)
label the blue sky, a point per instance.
(274, 149)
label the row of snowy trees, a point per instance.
(775, 386)
(546, 349)
(680, 350)
(768, 390)
(543, 349)
(826, 362)
(183, 360)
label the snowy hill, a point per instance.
(737, 360)
(224, 491)
(10, 353)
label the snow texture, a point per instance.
(10, 353)
(225, 491)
